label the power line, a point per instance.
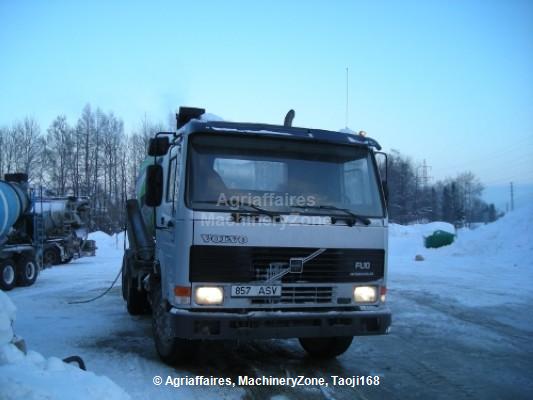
(506, 178)
(500, 152)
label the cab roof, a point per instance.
(266, 130)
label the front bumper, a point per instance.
(277, 324)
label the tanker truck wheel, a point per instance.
(51, 256)
(27, 271)
(123, 278)
(7, 275)
(171, 350)
(328, 347)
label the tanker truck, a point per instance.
(20, 242)
(248, 231)
(65, 222)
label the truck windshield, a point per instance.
(282, 175)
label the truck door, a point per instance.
(166, 218)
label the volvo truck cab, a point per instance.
(253, 231)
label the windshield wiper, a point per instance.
(276, 217)
(350, 217)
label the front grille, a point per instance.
(255, 264)
(300, 295)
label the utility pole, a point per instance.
(512, 197)
(425, 174)
(416, 194)
(422, 178)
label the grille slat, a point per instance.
(251, 264)
(299, 295)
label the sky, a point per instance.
(449, 82)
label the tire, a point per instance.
(136, 302)
(172, 351)
(8, 275)
(27, 270)
(324, 348)
(123, 277)
(51, 256)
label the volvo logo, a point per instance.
(233, 239)
(278, 270)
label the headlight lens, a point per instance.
(208, 295)
(365, 294)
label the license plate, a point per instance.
(255, 291)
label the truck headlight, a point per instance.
(365, 294)
(208, 295)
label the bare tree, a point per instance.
(85, 131)
(60, 155)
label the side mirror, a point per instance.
(154, 185)
(158, 146)
(385, 187)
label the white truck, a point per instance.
(65, 224)
(255, 231)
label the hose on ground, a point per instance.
(101, 294)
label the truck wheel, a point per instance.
(123, 277)
(7, 275)
(27, 271)
(51, 256)
(329, 347)
(171, 350)
(136, 302)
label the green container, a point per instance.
(438, 239)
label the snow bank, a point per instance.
(488, 266)
(419, 230)
(7, 317)
(31, 376)
(105, 241)
(510, 235)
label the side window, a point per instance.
(176, 180)
(356, 185)
(171, 184)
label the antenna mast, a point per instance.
(346, 117)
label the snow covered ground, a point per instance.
(462, 327)
(31, 376)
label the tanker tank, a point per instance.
(65, 225)
(19, 254)
(61, 212)
(14, 202)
